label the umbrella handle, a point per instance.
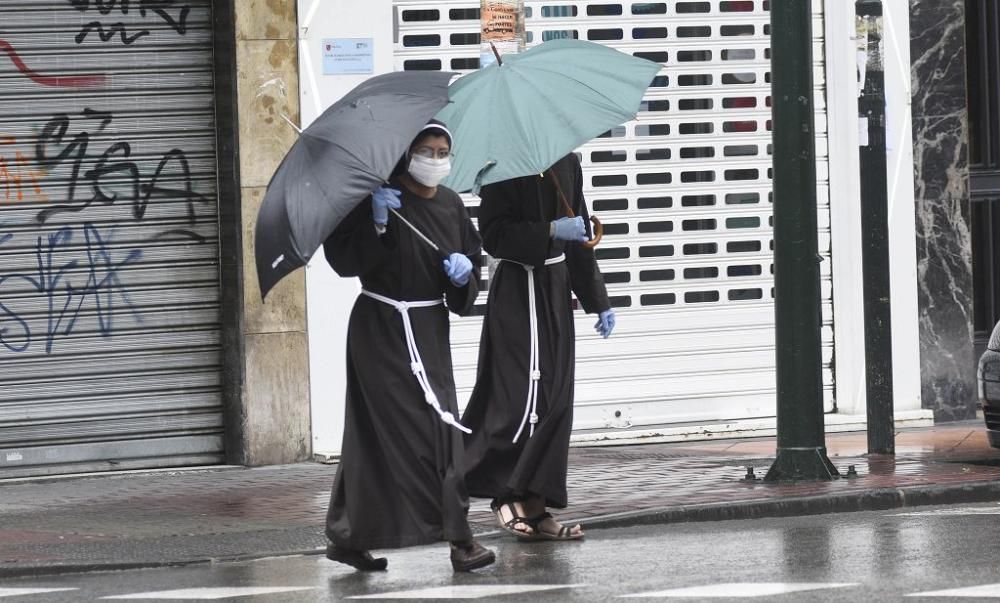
(598, 227)
(598, 233)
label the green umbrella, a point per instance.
(518, 117)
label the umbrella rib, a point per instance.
(525, 135)
(624, 113)
(610, 101)
(544, 93)
(362, 164)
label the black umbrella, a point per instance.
(337, 162)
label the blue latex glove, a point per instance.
(459, 269)
(570, 229)
(606, 323)
(382, 199)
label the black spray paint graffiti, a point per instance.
(102, 293)
(171, 180)
(176, 20)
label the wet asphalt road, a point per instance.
(884, 556)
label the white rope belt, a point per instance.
(416, 364)
(530, 417)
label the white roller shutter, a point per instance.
(684, 193)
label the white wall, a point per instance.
(902, 211)
(845, 209)
(845, 193)
(330, 297)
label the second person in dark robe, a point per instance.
(521, 410)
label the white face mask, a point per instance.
(429, 172)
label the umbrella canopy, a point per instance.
(518, 118)
(337, 162)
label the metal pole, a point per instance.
(801, 453)
(875, 231)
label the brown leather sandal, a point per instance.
(564, 533)
(516, 519)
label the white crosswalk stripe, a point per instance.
(23, 592)
(951, 512)
(212, 593)
(735, 590)
(468, 592)
(738, 590)
(984, 591)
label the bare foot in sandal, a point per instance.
(511, 517)
(551, 529)
(547, 525)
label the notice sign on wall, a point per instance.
(348, 56)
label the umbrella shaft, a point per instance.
(496, 53)
(291, 123)
(416, 230)
(562, 195)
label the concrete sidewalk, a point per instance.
(151, 519)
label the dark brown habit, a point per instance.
(399, 482)
(514, 221)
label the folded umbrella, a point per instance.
(345, 154)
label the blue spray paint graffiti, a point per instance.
(61, 280)
(112, 179)
(103, 292)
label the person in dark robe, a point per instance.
(400, 478)
(521, 409)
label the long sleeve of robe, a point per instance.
(585, 276)
(508, 232)
(514, 219)
(399, 481)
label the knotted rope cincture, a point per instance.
(416, 364)
(530, 418)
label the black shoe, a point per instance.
(359, 560)
(470, 555)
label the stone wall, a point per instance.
(941, 174)
(274, 410)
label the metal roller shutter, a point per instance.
(109, 247)
(684, 193)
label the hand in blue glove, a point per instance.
(569, 229)
(459, 269)
(606, 323)
(382, 199)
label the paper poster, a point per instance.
(499, 20)
(348, 56)
(502, 23)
